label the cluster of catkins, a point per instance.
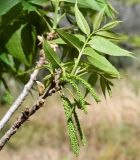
(73, 123)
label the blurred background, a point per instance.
(112, 127)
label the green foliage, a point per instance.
(111, 25)
(91, 4)
(70, 39)
(107, 47)
(74, 47)
(15, 46)
(51, 55)
(98, 19)
(6, 6)
(81, 22)
(100, 62)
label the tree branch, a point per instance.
(24, 116)
(23, 94)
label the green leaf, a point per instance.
(81, 21)
(112, 8)
(105, 46)
(98, 19)
(14, 46)
(35, 19)
(28, 36)
(4, 57)
(106, 85)
(110, 35)
(92, 4)
(11, 15)
(60, 41)
(80, 37)
(103, 85)
(92, 81)
(6, 5)
(28, 6)
(51, 55)
(109, 85)
(109, 9)
(70, 39)
(111, 25)
(100, 62)
(39, 2)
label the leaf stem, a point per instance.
(80, 54)
(56, 14)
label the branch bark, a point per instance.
(23, 94)
(25, 115)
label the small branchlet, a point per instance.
(55, 85)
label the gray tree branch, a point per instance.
(23, 94)
(24, 116)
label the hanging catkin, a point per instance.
(81, 133)
(87, 85)
(70, 125)
(79, 94)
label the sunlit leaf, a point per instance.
(81, 21)
(70, 39)
(105, 46)
(51, 55)
(111, 25)
(92, 4)
(110, 35)
(100, 62)
(98, 19)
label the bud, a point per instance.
(40, 87)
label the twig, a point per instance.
(28, 113)
(24, 116)
(23, 94)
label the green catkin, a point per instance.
(80, 96)
(70, 124)
(81, 133)
(87, 85)
(71, 112)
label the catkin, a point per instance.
(87, 85)
(80, 96)
(70, 125)
(81, 133)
